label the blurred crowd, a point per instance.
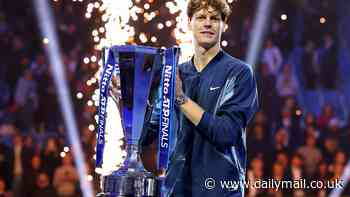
(285, 142)
(35, 156)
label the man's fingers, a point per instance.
(178, 74)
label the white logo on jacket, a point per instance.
(214, 88)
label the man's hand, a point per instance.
(178, 91)
(191, 110)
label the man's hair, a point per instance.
(220, 5)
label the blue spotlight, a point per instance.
(47, 29)
(261, 21)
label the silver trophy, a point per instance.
(145, 91)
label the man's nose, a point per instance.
(207, 22)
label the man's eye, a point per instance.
(201, 17)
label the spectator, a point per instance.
(340, 158)
(66, 178)
(330, 146)
(278, 174)
(50, 115)
(26, 100)
(260, 119)
(282, 158)
(258, 142)
(333, 129)
(39, 67)
(6, 164)
(309, 71)
(326, 116)
(28, 151)
(268, 93)
(3, 189)
(281, 140)
(310, 120)
(43, 188)
(311, 130)
(322, 175)
(286, 120)
(17, 166)
(18, 64)
(290, 119)
(86, 138)
(310, 154)
(296, 173)
(40, 72)
(272, 57)
(255, 173)
(50, 156)
(30, 175)
(281, 36)
(337, 171)
(287, 85)
(71, 64)
(328, 60)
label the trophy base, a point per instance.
(124, 183)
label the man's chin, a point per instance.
(207, 45)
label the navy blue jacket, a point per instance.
(214, 150)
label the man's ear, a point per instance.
(225, 27)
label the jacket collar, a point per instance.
(210, 64)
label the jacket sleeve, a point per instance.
(237, 105)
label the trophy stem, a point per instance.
(132, 162)
(131, 180)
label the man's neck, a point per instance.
(203, 56)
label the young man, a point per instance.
(217, 96)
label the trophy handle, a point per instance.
(148, 142)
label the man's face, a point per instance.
(207, 26)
